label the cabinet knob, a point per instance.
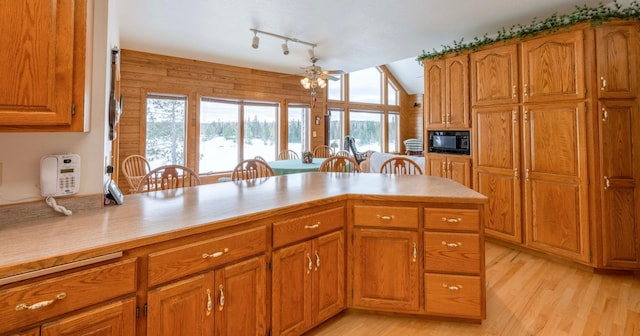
(215, 254)
(221, 301)
(452, 287)
(314, 226)
(607, 184)
(452, 220)
(603, 86)
(384, 217)
(209, 302)
(415, 252)
(605, 114)
(458, 244)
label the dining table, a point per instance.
(283, 167)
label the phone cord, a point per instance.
(59, 208)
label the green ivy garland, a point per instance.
(595, 15)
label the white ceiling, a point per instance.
(351, 34)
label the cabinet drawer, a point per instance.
(385, 216)
(452, 219)
(304, 227)
(188, 259)
(452, 252)
(453, 295)
(38, 301)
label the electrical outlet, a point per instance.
(314, 134)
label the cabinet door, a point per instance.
(115, 319)
(553, 67)
(385, 270)
(496, 169)
(328, 276)
(434, 94)
(616, 55)
(240, 298)
(459, 169)
(31, 332)
(436, 165)
(457, 92)
(39, 65)
(494, 76)
(182, 308)
(291, 289)
(620, 166)
(555, 162)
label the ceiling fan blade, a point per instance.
(333, 78)
(335, 72)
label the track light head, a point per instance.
(285, 48)
(256, 41)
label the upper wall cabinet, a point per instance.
(616, 53)
(42, 65)
(494, 76)
(553, 67)
(446, 85)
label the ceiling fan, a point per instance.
(315, 77)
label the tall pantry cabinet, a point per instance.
(550, 114)
(619, 143)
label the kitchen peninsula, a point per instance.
(278, 255)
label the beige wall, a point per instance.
(20, 153)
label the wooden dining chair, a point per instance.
(168, 177)
(288, 154)
(342, 152)
(134, 168)
(400, 166)
(340, 164)
(251, 169)
(322, 151)
(258, 157)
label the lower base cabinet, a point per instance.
(386, 270)
(115, 319)
(308, 283)
(229, 301)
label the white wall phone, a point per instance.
(59, 175)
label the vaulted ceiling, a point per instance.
(351, 34)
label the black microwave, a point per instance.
(449, 142)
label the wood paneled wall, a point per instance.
(144, 72)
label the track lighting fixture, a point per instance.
(285, 45)
(256, 40)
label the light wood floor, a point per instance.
(526, 295)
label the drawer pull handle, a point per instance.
(452, 288)
(40, 304)
(451, 220)
(314, 226)
(221, 298)
(215, 254)
(384, 217)
(209, 303)
(458, 244)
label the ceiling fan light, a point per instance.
(256, 41)
(305, 83)
(322, 83)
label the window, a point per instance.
(336, 130)
(393, 132)
(225, 140)
(298, 127)
(219, 135)
(165, 138)
(365, 86)
(366, 128)
(335, 88)
(392, 94)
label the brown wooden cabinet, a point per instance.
(386, 261)
(620, 191)
(555, 179)
(494, 76)
(454, 167)
(308, 283)
(43, 80)
(115, 319)
(553, 67)
(497, 172)
(386, 269)
(453, 263)
(447, 86)
(617, 55)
